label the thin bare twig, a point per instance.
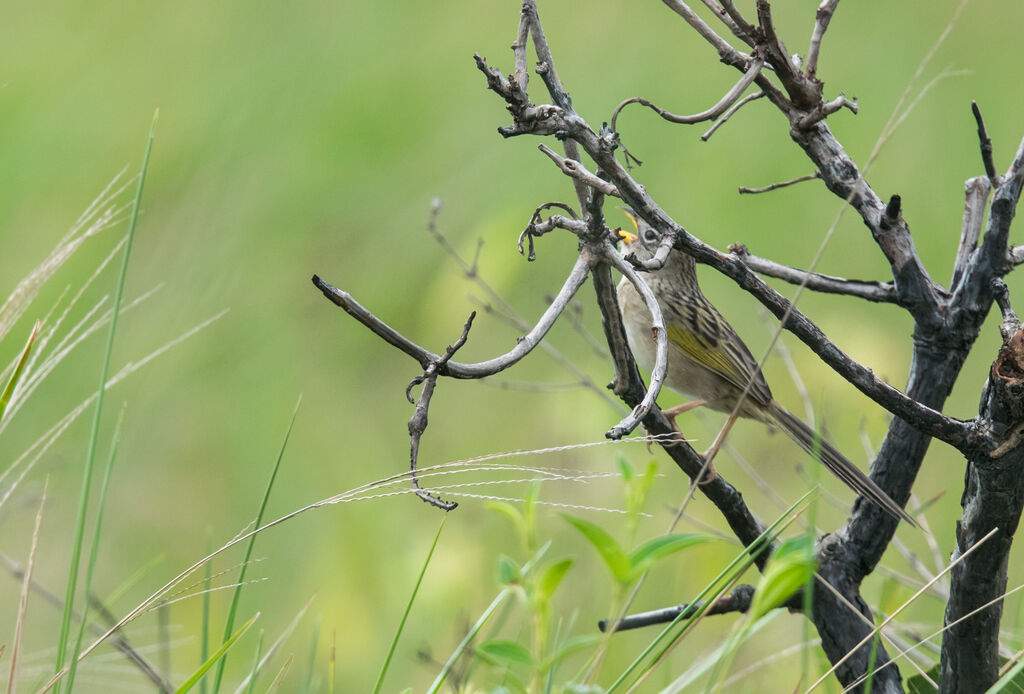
(986, 146)
(710, 114)
(743, 190)
(826, 9)
(730, 113)
(881, 292)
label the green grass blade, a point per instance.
(255, 664)
(94, 551)
(735, 568)
(216, 657)
(408, 608)
(90, 457)
(12, 382)
(307, 686)
(232, 611)
(204, 644)
(279, 677)
(480, 622)
(276, 646)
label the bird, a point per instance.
(709, 362)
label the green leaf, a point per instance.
(12, 382)
(508, 570)
(660, 547)
(509, 511)
(614, 558)
(573, 645)
(507, 650)
(625, 469)
(549, 580)
(217, 655)
(1011, 683)
(789, 569)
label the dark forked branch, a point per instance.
(418, 421)
(455, 369)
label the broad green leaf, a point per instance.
(507, 650)
(509, 511)
(660, 547)
(789, 569)
(614, 558)
(508, 570)
(550, 579)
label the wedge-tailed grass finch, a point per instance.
(707, 360)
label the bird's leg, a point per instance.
(674, 412)
(712, 451)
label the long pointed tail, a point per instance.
(850, 474)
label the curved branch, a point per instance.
(630, 387)
(730, 113)
(418, 421)
(455, 369)
(633, 419)
(714, 112)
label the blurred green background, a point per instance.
(311, 137)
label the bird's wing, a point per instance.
(728, 358)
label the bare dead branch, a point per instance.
(727, 54)
(986, 146)
(538, 226)
(418, 421)
(714, 112)
(992, 503)
(730, 113)
(425, 357)
(747, 30)
(656, 261)
(522, 73)
(826, 9)
(976, 192)
(576, 170)
(738, 600)
(880, 292)
(743, 190)
(893, 237)
(826, 109)
(723, 16)
(546, 70)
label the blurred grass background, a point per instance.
(307, 138)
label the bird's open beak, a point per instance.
(625, 236)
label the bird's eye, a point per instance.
(650, 236)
